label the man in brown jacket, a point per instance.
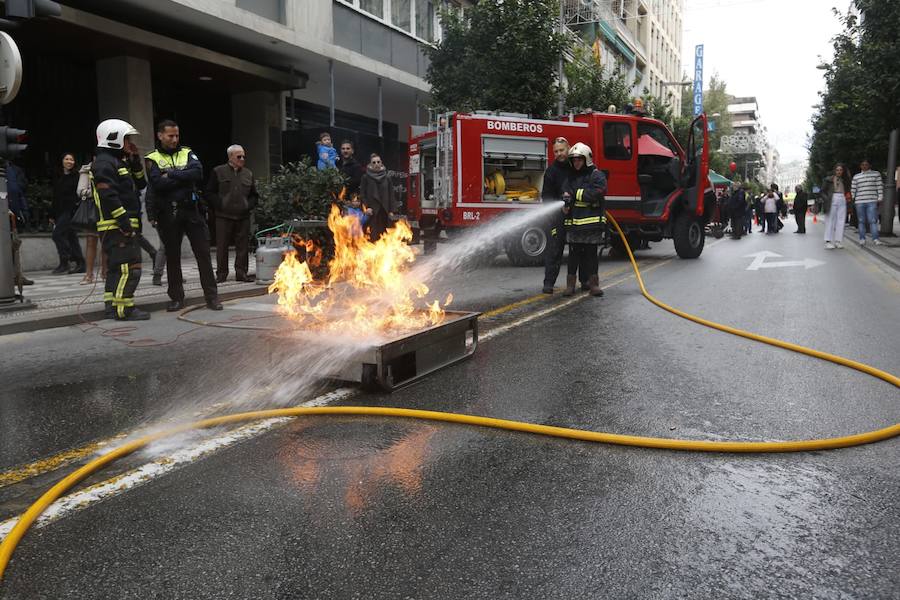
(231, 190)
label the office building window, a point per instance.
(425, 20)
(270, 9)
(373, 7)
(401, 14)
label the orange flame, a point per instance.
(368, 286)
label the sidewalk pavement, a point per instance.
(60, 300)
(889, 253)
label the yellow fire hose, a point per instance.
(34, 511)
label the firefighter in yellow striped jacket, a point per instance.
(117, 175)
(584, 194)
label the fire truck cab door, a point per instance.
(695, 176)
(659, 167)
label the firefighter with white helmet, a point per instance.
(117, 175)
(584, 194)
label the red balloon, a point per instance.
(733, 167)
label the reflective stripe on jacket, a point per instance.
(115, 189)
(587, 188)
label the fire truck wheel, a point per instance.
(688, 235)
(527, 247)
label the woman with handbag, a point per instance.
(86, 219)
(65, 201)
(835, 195)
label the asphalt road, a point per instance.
(360, 507)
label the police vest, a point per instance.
(167, 162)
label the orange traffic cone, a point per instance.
(815, 220)
(756, 218)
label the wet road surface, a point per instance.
(360, 507)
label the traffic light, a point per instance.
(18, 137)
(28, 9)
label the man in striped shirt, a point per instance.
(867, 189)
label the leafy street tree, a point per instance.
(858, 107)
(589, 85)
(500, 55)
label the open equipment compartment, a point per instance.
(513, 168)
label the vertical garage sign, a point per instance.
(698, 79)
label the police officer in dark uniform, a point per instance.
(552, 190)
(174, 172)
(117, 175)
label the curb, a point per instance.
(891, 263)
(25, 324)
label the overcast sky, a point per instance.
(768, 49)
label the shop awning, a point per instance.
(717, 179)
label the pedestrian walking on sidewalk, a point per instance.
(737, 208)
(174, 172)
(836, 195)
(555, 177)
(65, 201)
(117, 175)
(867, 189)
(584, 194)
(799, 208)
(770, 210)
(231, 190)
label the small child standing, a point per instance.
(326, 152)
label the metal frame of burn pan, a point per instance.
(406, 359)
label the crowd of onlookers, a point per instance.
(369, 195)
(841, 199)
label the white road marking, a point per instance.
(164, 464)
(759, 261)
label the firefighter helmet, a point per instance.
(111, 133)
(582, 150)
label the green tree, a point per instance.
(858, 107)
(715, 102)
(500, 55)
(591, 86)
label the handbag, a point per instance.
(85, 216)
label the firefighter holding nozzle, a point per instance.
(584, 196)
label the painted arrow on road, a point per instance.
(759, 261)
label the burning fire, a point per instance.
(368, 285)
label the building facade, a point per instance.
(639, 38)
(756, 158)
(267, 74)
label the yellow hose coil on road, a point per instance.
(25, 521)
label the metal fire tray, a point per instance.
(407, 358)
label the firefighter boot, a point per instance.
(570, 285)
(134, 314)
(594, 285)
(108, 311)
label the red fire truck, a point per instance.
(469, 168)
